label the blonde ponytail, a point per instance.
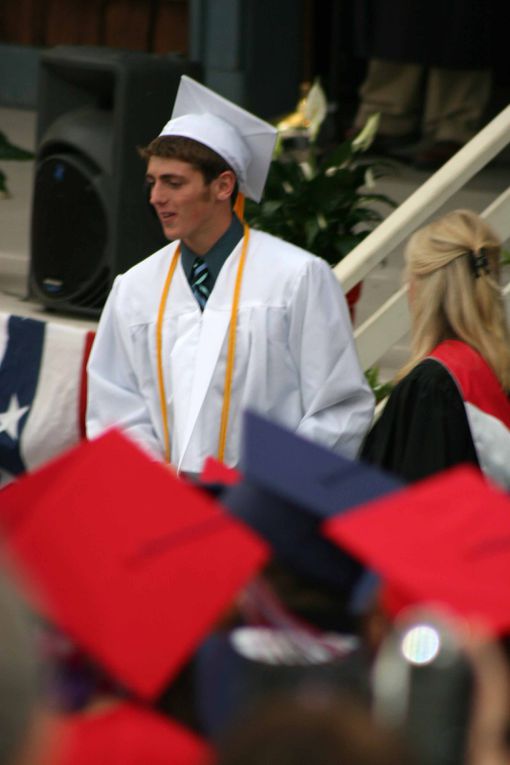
(452, 266)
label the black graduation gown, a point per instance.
(423, 428)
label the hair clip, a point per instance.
(479, 263)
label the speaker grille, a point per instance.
(69, 229)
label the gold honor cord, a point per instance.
(229, 372)
(239, 206)
(159, 349)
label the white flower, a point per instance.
(369, 178)
(307, 170)
(367, 135)
(316, 109)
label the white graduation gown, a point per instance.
(295, 358)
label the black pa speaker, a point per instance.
(89, 217)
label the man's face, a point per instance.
(185, 205)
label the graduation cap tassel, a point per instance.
(239, 206)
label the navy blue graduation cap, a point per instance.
(290, 486)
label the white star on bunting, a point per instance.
(9, 420)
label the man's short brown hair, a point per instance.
(203, 159)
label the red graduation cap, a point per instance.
(444, 541)
(132, 562)
(127, 734)
(215, 471)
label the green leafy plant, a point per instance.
(323, 201)
(9, 151)
(505, 257)
(381, 390)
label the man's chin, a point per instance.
(170, 232)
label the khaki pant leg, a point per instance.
(455, 103)
(394, 90)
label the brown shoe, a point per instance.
(435, 155)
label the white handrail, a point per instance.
(425, 201)
(497, 215)
(385, 327)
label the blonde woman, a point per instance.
(450, 404)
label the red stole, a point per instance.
(475, 379)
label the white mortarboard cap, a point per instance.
(244, 141)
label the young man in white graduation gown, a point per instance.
(223, 318)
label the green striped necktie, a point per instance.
(200, 281)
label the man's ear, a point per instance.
(225, 184)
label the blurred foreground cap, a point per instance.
(127, 734)
(289, 486)
(444, 541)
(216, 472)
(125, 557)
(244, 141)
(235, 671)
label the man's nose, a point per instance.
(156, 195)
